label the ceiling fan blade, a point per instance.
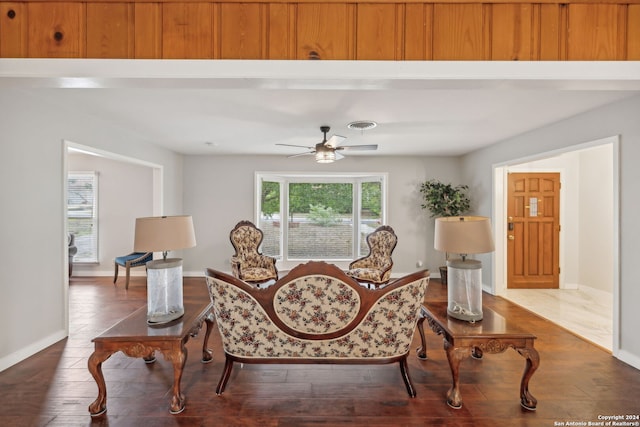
(301, 154)
(299, 146)
(358, 147)
(334, 141)
(339, 156)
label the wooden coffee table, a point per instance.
(135, 338)
(492, 334)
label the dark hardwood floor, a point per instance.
(576, 381)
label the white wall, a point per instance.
(219, 192)
(32, 228)
(620, 118)
(596, 218)
(124, 194)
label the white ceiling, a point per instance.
(246, 107)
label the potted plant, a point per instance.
(444, 200)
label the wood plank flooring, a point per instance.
(576, 382)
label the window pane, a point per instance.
(82, 214)
(318, 216)
(370, 212)
(320, 222)
(269, 219)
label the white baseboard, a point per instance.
(284, 272)
(196, 273)
(570, 286)
(28, 351)
(628, 358)
(100, 273)
(399, 275)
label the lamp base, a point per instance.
(164, 291)
(159, 319)
(461, 313)
(464, 290)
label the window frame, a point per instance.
(285, 178)
(94, 249)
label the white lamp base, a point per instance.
(164, 291)
(464, 289)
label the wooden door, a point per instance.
(533, 230)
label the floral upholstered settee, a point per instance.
(316, 314)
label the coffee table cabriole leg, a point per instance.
(207, 354)
(533, 361)
(178, 357)
(455, 356)
(422, 350)
(99, 406)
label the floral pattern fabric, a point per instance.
(316, 304)
(248, 332)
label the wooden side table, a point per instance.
(135, 338)
(492, 334)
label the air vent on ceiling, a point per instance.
(362, 125)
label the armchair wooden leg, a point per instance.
(126, 285)
(226, 373)
(115, 275)
(404, 371)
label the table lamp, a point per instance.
(464, 235)
(164, 276)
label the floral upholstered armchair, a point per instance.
(248, 263)
(316, 314)
(375, 268)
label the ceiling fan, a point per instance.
(326, 151)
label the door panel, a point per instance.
(533, 230)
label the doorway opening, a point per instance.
(116, 174)
(587, 299)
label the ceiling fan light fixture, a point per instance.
(325, 156)
(362, 125)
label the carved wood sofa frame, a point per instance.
(316, 314)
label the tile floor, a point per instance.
(585, 311)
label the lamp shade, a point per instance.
(463, 235)
(164, 233)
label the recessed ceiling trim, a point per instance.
(87, 73)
